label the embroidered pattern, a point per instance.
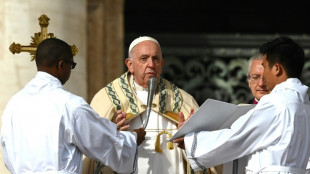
(194, 146)
(177, 98)
(113, 96)
(124, 84)
(98, 167)
(162, 96)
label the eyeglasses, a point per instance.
(255, 78)
(73, 64)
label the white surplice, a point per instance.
(149, 161)
(274, 133)
(45, 129)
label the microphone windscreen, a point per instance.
(151, 90)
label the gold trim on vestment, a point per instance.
(157, 142)
(173, 116)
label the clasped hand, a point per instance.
(120, 121)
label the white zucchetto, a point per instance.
(139, 40)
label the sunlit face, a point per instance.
(256, 80)
(146, 62)
(268, 75)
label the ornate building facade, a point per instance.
(215, 65)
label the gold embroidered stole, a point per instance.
(135, 107)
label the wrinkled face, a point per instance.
(146, 61)
(268, 75)
(256, 80)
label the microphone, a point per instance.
(151, 90)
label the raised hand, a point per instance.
(181, 118)
(120, 120)
(180, 141)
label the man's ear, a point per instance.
(59, 64)
(128, 63)
(277, 69)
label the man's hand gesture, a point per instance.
(140, 134)
(180, 141)
(120, 120)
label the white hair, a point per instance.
(256, 56)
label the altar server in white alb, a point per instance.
(276, 133)
(46, 129)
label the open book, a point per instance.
(212, 115)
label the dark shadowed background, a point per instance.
(206, 43)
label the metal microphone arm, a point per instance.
(151, 90)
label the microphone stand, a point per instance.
(235, 166)
(151, 90)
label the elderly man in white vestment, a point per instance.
(128, 94)
(46, 129)
(276, 133)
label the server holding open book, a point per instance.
(274, 134)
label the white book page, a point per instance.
(239, 111)
(212, 115)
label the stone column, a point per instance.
(105, 43)
(18, 22)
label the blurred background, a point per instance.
(206, 43)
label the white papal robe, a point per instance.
(274, 133)
(150, 161)
(169, 100)
(46, 129)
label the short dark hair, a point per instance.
(51, 50)
(288, 53)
